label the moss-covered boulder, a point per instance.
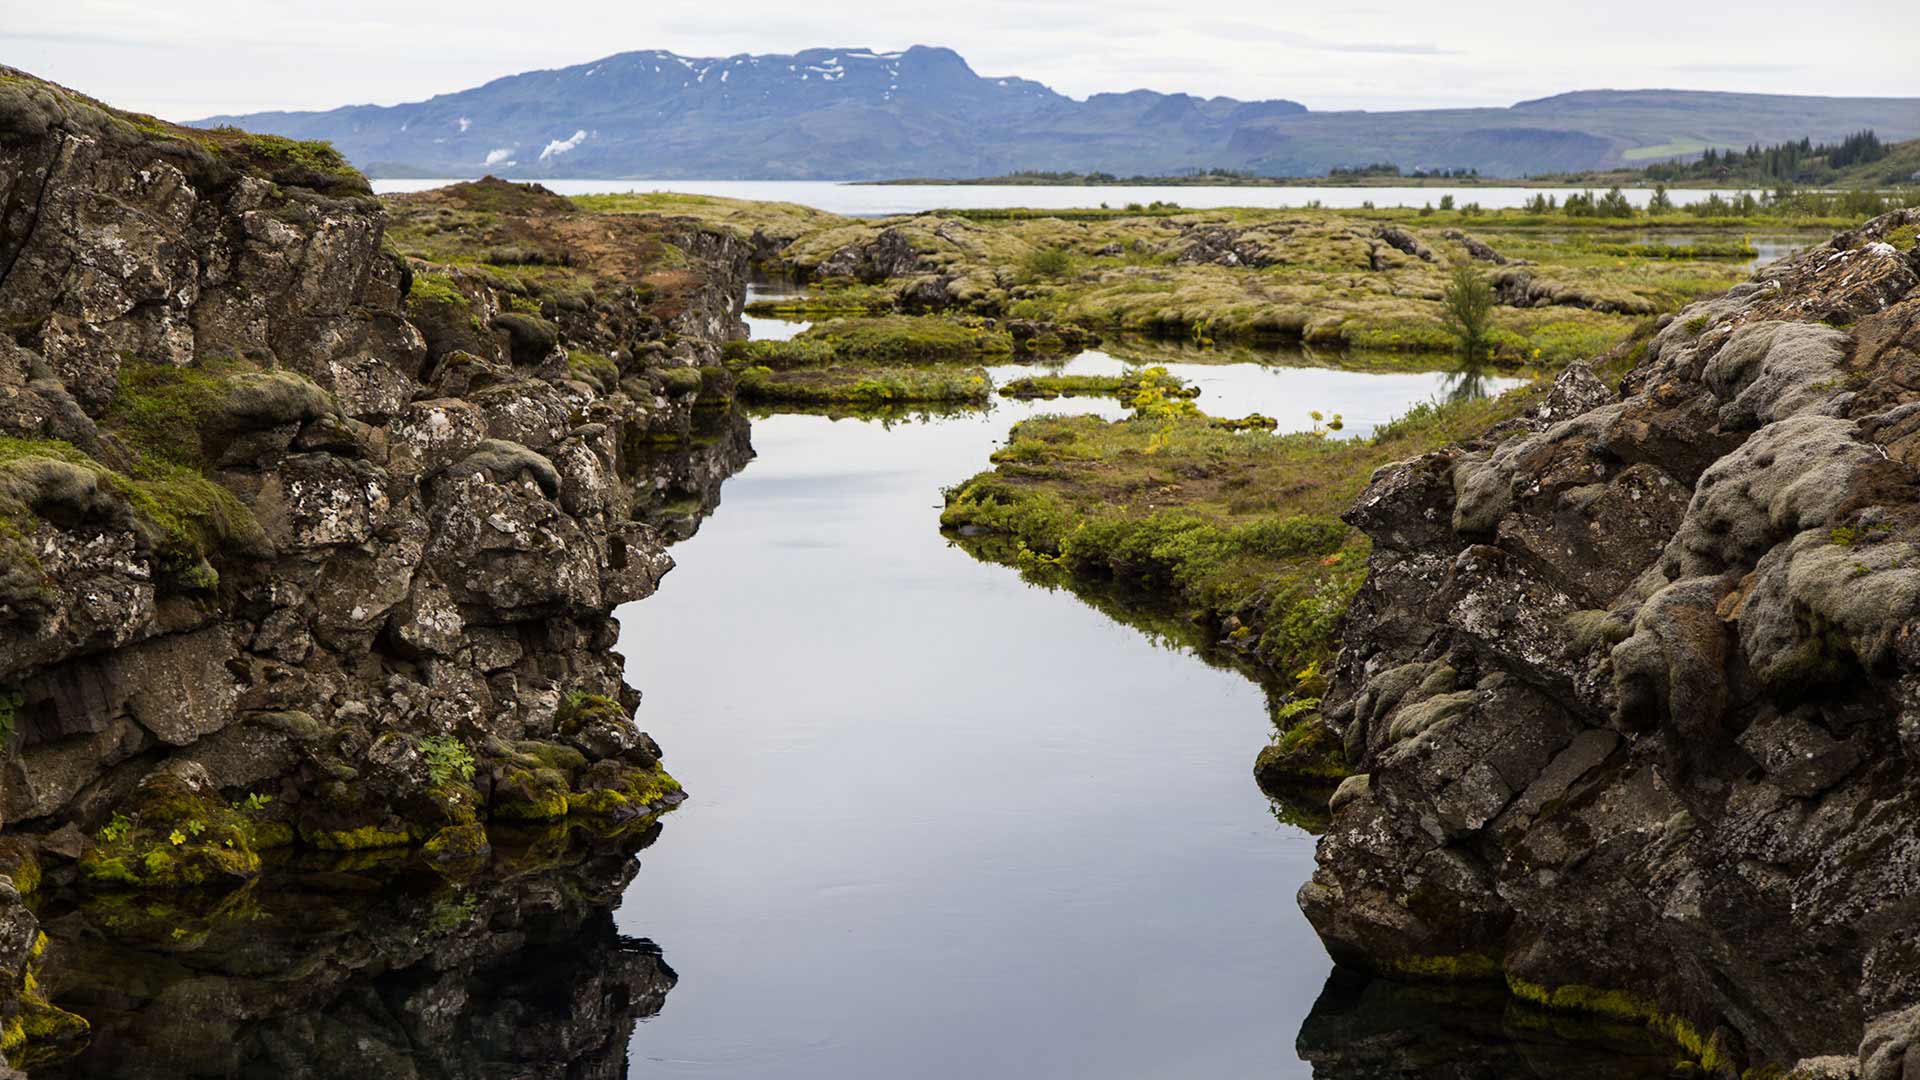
(172, 832)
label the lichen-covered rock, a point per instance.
(303, 542)
(1632, 687)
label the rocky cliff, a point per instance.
(306, 544)
(1633, 687)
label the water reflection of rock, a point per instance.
(366, 969)
(677, 484)
(1363, 1028)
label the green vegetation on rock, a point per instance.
(1123, 386)
(171, 835)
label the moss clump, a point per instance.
(579, 708)
(530, 337)
(181, 513)
(908, 339)
(160, 409)
(310, 164)
(778, 355)
(38, 1032)
(457, 843)
(435, 289)
(170, 835)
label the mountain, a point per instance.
(858, 114)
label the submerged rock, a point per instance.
(1668, 776)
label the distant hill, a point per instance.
(856, 114)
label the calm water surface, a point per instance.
(945, 823)
(878, 200)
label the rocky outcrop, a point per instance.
(890, 254)
(1630, 690)
(306, 543)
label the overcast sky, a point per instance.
(183, 60)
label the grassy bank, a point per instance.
(1236, 531)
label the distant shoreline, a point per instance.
(1598, 181)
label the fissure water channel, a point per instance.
(948, 823)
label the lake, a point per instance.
(872, 200)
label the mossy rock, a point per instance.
(537, 754)
(529, 795)
(618, 790)
(19, 862)
(457, 843)
(171, 834)
(678, 381)
(531, 338)
(41, 1033)
(578, 709)
(1306, 752)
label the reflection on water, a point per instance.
(368, 966)
(761, 328)
(1471, 380)
(1277, 382)
(1372, 1029)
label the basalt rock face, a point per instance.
(303, 542)
(1633, 686)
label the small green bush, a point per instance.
(1468, 310)
(448, 759)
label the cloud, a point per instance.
(562, 146)
(1246, 31)
(495, 157)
